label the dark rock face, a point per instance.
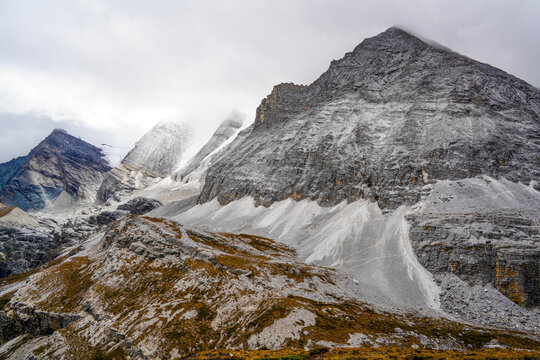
(136, 206)
(60, 163)
(139, 206)
(106, 217)
(24, 249)
(7, 170)
(391, 116)
(39, 322)
(28, 320)
(9, 328)
(498, 248)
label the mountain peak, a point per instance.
(158, 151)
(59, 131)
(60, 163)
(58, 135)
(398, 31)
(399, 38)
(64, 142)
(394, 37)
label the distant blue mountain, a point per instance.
(60, 163)
(10, 169)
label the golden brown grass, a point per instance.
(367, 353)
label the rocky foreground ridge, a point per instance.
(150, 288)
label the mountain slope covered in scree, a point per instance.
(417, 130)
(150, 288)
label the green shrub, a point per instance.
(175, 334)
(100, 355)
(204, 313)
(318, 350)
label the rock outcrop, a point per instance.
(32, 240)
(8, 169)
(135, 206)
(61, 171)
(139, 206)
(25, 248)
(484, 231)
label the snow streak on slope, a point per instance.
(114, 155)
(356, 238)
(225, 133)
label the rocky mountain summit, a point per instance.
(386, 119)
(154, 156)
(402, 122)
(61, 171)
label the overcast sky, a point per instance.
(108, 70)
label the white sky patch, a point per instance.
(75, 97)
(120, 67)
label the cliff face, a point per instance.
(61, 170)
(483, 230)
(388, 118)
(8, 169)
(388, 123)
(284, 101)
(159, 150)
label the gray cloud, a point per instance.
(112, 69)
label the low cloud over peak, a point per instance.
(117, 68)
